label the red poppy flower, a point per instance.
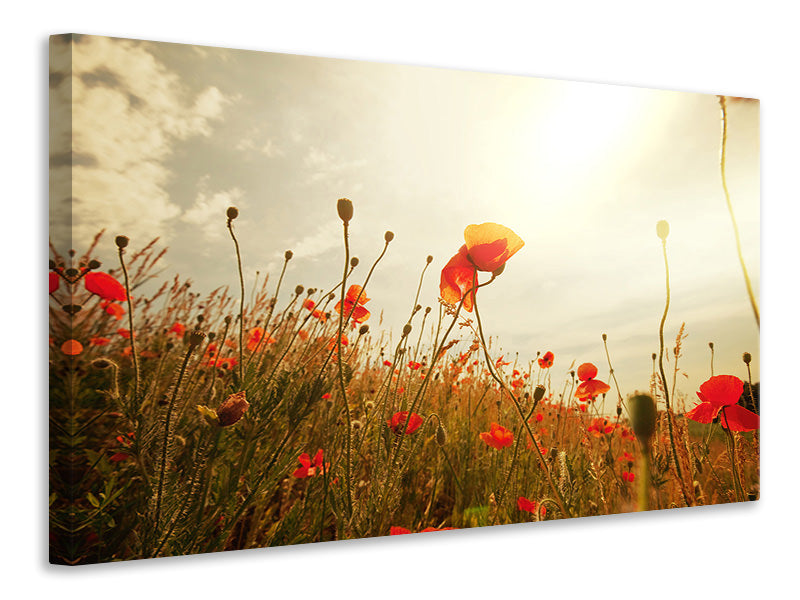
(394, 530)
(629, 477)
(54, 281)
(178, 329)
(308, 303)
(498, 437)
(113, 309)
(72, 347)
(332, 342)
(516, 383)
(530, 506)
(413, 365)
(302, 334)
(547, 360)
(98, 341)
(539, 417)
(590, 387)
(499, 363)
(399, 418)
(254, 339)
(319, 315)
(326, 396)
(105, 286)
(627, 457)
(429, 529)
(126, 333)
(600, 427)
(119, 457)
(387, 363)
(354, 301)
(721, 394)
(488, 247)
(308, 468)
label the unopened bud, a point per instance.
(232, 213)
(499, 270)
(605, 337)
(653, 356)
(429, 260)
(94, 264)
(406, 329)
(746, 358)
(388, 236)
(711, 345)
(427, 310)
(538, 393)
(121, 241)
(619, 410)
(227, 319)
(101, 363)
(441, 435)
(363, 329)
(233, 409)
(299, 290)
(288, 255)
(345, 209)
(354, 262)
(662, 229)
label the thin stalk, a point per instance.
(130, 329)
(241, 300)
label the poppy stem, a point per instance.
(241, 301)
(722, 163)
(134, 358)
(643, 495)
(613, 374)
(342, 387)
(737, 484)
(562, 504)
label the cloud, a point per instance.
(209, 207)
(328, 169)
(256, 142)
(325, 238)
(116, 115)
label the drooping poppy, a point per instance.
(308, 468)
(353, 302)
(233, 409)
(399, 418)
(488, 247)
(720, 394)
(547, 360)
(590, 387)
(72, 347)
(105, 286)
(497, 437)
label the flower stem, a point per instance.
(241, 301)
(130, 328)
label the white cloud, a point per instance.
(209, 207)
(127, 112)
(327, 168)
(255, 141)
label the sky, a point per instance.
(164, 137)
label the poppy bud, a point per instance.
(499, 270)
(418, 308)
(196, 338)
(345, 209)
(211, 336)
(388, 236)
(94, 264)
(643, 417)
(51, 264)
(227, 319)
(711, 345)
(71, 273)
(427, 310)
(299, 290)
(232, 213)
(363, 329)
(746, 358)
(538, 393)
(653, 356)
(233, 409)
(406, 329)
(441, 435)
(662, 230)
(354, 262)
(619, 410)
(288, 255)
(357, 425)
(310, 291)
(121, 241)
(200, 319)
(605, 337)
(429, 260)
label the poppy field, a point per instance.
(185, 422)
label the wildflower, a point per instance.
(547, 360)
(72, 347)
(488, 247)
(105, 286)
(126, 333)
(600, 427)
(308, 468)
(539, 417)
(254, 338)
(589, 387)
(319, 316)
(387, 363)
(394, 530)
(626, 457)
(721, 394)
(54, 281)
(498, 437)
(531, 506)
(303, 334)
(399, 418)
(500, 363)
(98, 341)
(326, 396)
(353, 302)
(627, 476)
(308, 304)
(413, 365)
(113, 309)
(178, 329)
(233, 409)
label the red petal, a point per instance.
(722, 390)
(587, 371)
(54, 281)
(490, 245)
(105, 286)
(354, 292)
(393, 530)
(318, 458)
(526, 505)
(458, 276)
(703, 412)
(738, 418)
(305, 460)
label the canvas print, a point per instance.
(298, 299)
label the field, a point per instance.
(188, 422)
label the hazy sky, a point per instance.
(167, 136)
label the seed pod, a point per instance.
(299, 290)
(406, 329)
(388, 236)
(232, 213)
(94, 264)
(345, 209)
(354, 262)
(429, 260)
(288, 255)
(662, 229)
(538, 393)
(121, 241)
(441, 435)
(747, 358)
(363, 329)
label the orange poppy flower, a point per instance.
(72, 347)
(303, 334)
(105, 286)
(387, 363)
(600, 427)
(308, 303)
(126, 333)
(354, 301)
(498, 437)
(590, 387)
(254, 338)
(309, 468)
(499, 363)
(721, 394)
(399, 418)
(178, 328)
(547, 360)
(332, 343)
(488, 247)
(113, 309)
(98, 341)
